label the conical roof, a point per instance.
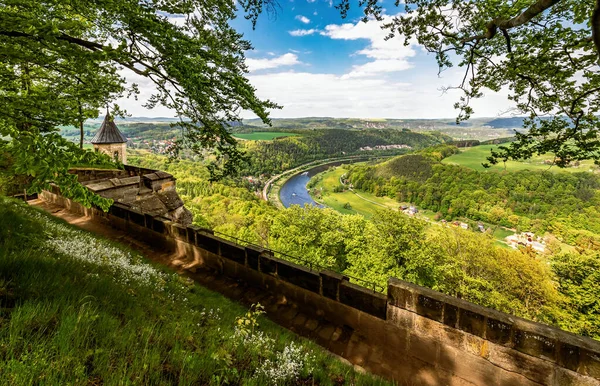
(108, 133)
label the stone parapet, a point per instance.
(511, 343)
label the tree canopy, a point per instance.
(63, 60)
(544, 52)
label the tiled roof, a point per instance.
(108, 133)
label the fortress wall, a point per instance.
(417, 333)
(91, 174)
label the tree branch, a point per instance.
(596, 27)
(92, 46)
(517, 21)
(531, 12)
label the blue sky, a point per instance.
(314, 63)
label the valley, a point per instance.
(328, 189)
(364, 233)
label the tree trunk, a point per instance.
(80, 127)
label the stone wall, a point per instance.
(421, 336)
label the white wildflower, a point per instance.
(287, 365)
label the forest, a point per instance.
(271, 157)
(560, 289)
(280, 154)
(564, 204)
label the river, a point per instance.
(294, 191)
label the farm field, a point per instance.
(474, 157)
(263, 135)
(365, 206)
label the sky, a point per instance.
(316, 64)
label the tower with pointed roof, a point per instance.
(109, 140)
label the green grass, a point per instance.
(78, 309)
(428, 214)
(502, 245)
(365, 206)
(263, 135)
(501, 233)
(474, 157)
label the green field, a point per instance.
(501, 233)
(365, 206)
(263, 135)
(474, 157)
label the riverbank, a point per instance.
(346, 200)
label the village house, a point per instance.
(527, 239)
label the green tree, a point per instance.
(579, 280)
(402, 242)
(469, 266)
(544, 51)
(62, 60)
(316, 235)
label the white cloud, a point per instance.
(303, 19)
(263, 64)
(378, 67)
(146, 88)
(303, 32)
(315, 13)
(388, 56)
(304, 94)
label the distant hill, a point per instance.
(512, 122)
(285, 153)
(382, 123)
(343, 123)
(507, 123)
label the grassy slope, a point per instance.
(263, 136)
(365, 208)
(358, 205)
(473, 158)
(77, 309)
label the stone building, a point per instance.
(109, 140)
